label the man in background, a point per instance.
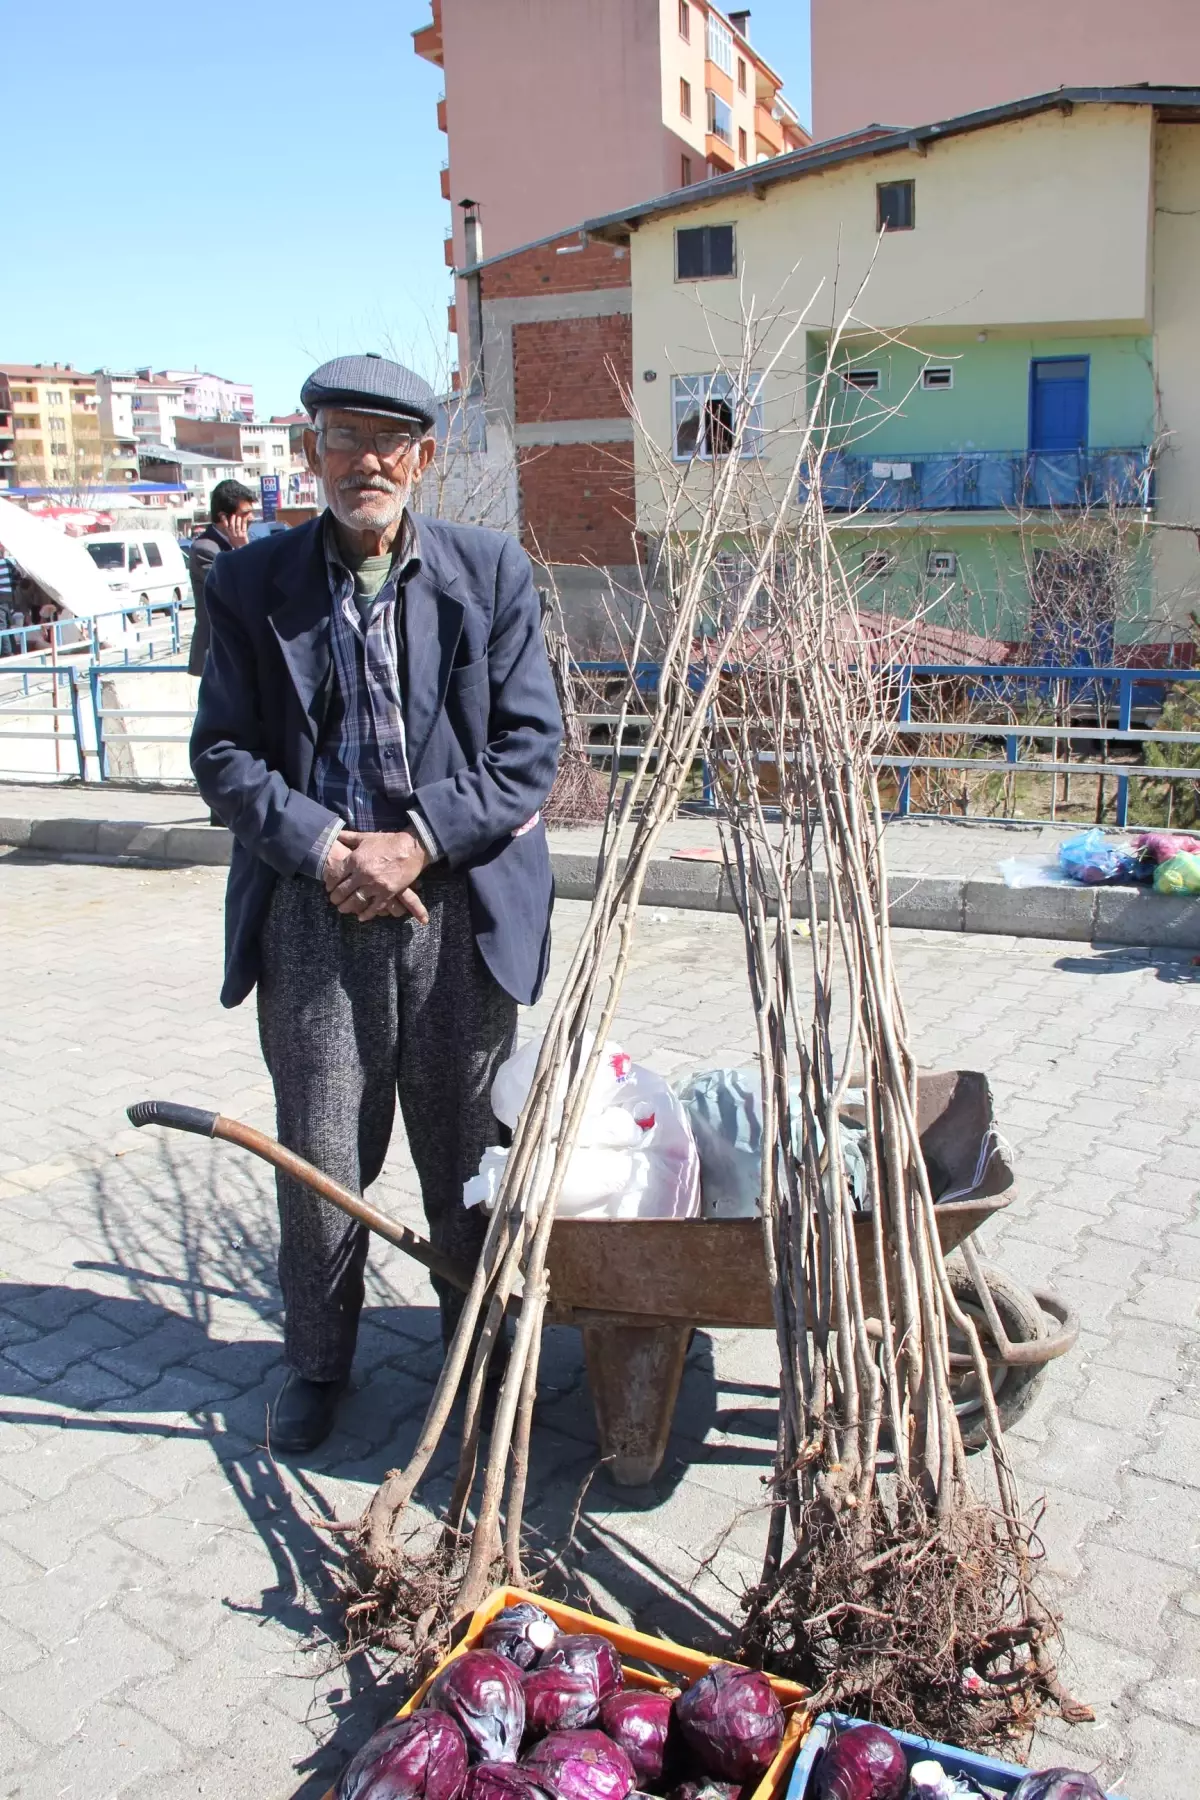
(231, 509)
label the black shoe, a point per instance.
(303, 1413)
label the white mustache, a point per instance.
(377, 484)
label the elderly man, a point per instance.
(378, 727)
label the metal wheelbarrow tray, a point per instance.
(637, 1289)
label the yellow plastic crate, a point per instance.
(671, 1659)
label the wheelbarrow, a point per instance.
(637, 1289)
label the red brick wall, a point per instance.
(577, 502)
(542, 270)
(562, 368)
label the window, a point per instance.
(942, 564)
(719, 47)
(742, 146)
(135, 558)
(741, 74)
(58, 428)
(153, 555)
(875, 565)
(685, 97)
(866, 381)
(685, 21)
(107, 556)
(54, 397)
(938, 378)
(707, 413)
(703, 252)
(685, 171)
(895, 206)
(720, 118)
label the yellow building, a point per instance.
(56, 426)
(1015, 293)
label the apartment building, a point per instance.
(261, 449)
(628, 98)
(874, 61)
(1023, 352)
(207, 396)
(56, 425)
(7, 441)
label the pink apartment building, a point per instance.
(556, 112)
(912, 62)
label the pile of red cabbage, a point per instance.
(865, 1762)
(530, 1713)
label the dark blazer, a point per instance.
(205, 548)
(481, 718)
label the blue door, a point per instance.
(1058, 403)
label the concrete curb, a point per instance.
(919, 902)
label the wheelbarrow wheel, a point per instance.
(1014, 1387)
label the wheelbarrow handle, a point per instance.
(232, 1131)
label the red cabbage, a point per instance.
(422, 1757)
(732, 1720)
(862, 1763)
(559, 1700)
(520, 1633)
(590, 1654)
(1059, 1784)
(640, 1721)
(482, 1693)
(580, 1765)
(501, 1781)
(708, 1789)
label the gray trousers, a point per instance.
(350, 1016)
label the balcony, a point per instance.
(441, 114)
(448, 252)
(987, 480)
(445, 181)
(427, 39)
(768, 131)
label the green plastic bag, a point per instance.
(1178, 875)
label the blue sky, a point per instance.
(250, 204)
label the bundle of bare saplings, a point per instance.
(888, 1585)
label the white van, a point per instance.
(140, 567)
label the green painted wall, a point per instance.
(988, 406)
(989, 594)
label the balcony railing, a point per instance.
(987, 480)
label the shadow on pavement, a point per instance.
(1180, 970)
(194, 1331)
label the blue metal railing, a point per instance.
(1119, 689)
(101, 713)
(75, 636)
(986, 480)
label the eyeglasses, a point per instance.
(347, 439)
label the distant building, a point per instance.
(196, 472)
(7, 441)
(206, 396)
(874, 62)
(56, 425)
(264, 449)
(631, 98)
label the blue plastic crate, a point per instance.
(995, 1778)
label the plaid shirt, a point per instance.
(361, 770)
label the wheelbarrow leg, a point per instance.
(634, 1373)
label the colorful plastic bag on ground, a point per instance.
(1161, 846)
(1178, 875)
(1095, 858)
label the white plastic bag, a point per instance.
(635, 1157)
(513, 1079)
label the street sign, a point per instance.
(269, 484)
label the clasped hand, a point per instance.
(370, 875)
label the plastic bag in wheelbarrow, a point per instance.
(635, 1158)
(724, 1109)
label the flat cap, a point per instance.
(369, 383)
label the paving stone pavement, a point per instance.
(165, 1605)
